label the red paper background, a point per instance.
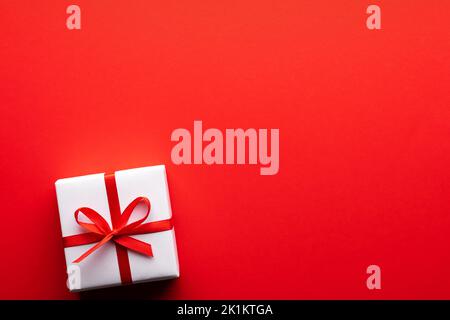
(364, 122)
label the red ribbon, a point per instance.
(101, 233)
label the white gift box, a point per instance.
(101, 269)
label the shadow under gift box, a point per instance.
(101, 268)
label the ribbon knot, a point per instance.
(98, 225)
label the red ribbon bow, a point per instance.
(101, 232)
(119, 234)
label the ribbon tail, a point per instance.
(135, 245)
(92, 249)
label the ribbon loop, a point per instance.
(99, 225)
(128, 212)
